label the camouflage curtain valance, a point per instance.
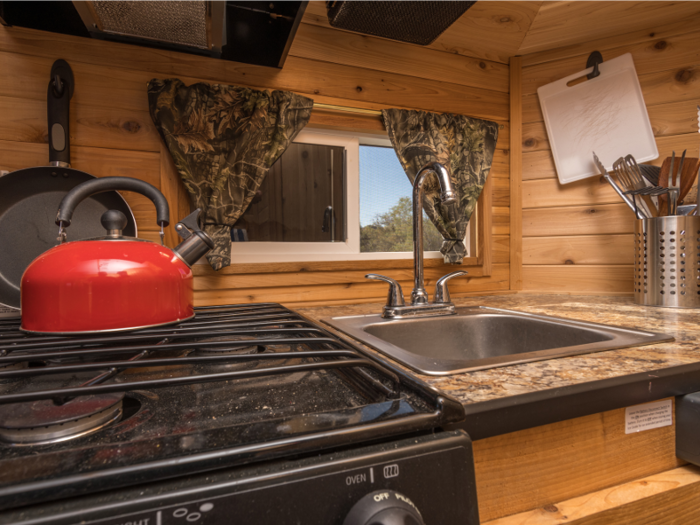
(223, 140)
(464, 145)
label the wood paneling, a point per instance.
(578, 220)
(353, 49)
(668, 498)
(501, 249)
(516, 174)
(579, 249)
(483, 244)
(278, 280)
(657, 30)
(577, 236)
(112, 133)
(488, 30)
(347, 293)
(583, 279)
(649, 57)
(301, 75)
(500, 220)
(24, 120)
(564, 23)
(540, 164)
(545, 193)
(320, 266)
(532, 468)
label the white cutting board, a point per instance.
(605, 114)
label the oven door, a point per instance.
(431, 474)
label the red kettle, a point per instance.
(113, 282)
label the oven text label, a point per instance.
(356, 479)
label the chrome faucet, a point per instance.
(396, 306)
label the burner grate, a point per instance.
(278, 332)
(234, 385)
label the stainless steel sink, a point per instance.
(479, 337)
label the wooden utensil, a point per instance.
(690, 171)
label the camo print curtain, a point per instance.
(465, 146)
(223, 140)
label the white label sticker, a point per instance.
(648, 416)
(6, 311)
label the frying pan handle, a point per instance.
(58, 104)
(91, 187)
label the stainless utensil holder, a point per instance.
(667, 262)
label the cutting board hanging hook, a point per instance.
(594, 59)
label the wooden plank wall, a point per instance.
(524, 474)
(112, 133)
(578, 237)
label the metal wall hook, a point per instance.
(58, 85)
(62, 78)
(594, 59)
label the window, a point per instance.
(332, 196)
(386, 205)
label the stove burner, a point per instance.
(236, 348)
(43, 422)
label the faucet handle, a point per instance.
(442, 294)
(395, 297)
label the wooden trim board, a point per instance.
(516, 175)
(667, 498)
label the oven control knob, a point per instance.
(384, 507)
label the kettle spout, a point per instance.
(196, 243)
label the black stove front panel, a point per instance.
(435, 472)
(237, 385)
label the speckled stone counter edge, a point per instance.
(505, 399)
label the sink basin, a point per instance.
(476, 338)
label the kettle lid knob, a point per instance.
(114, 222)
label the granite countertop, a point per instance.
(555, 375)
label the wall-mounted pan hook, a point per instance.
(62, 76)
(594, 59)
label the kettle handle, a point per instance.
(86, 189)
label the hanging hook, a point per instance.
(61, 79)
(594, 59)
(58, 84)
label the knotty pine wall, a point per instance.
(578, 237)
(112, 133)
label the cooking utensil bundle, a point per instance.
(652, 192)
(666, 261)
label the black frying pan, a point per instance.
(29, 198)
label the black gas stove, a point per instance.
(244, 414)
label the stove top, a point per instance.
(237, 384)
